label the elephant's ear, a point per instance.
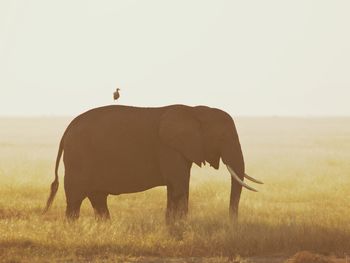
(180, 130)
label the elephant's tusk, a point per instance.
(253, 179)
(235, 176)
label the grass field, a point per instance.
(303, 205)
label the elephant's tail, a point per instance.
(54, 185)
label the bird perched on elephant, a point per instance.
(116, 149)
(116, 94)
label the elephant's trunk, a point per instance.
(233, 158)
(235, 196)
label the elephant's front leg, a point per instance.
(175, 170)
(177, 200)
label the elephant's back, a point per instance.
(113, 125)
(114, 113)
(119, 119)
(114, 117)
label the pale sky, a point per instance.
(253, 57)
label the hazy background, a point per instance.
(247, 57)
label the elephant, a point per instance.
(118, 149)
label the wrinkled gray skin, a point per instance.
(122, 149)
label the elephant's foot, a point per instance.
(73, 210)
(175, 216)
(175, 222)
(99, 203)
(102, 215)
(72, 216)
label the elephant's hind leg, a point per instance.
(73, 207)
(99, 203)
(74, 197)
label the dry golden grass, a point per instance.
(304, 204)
(308, 257)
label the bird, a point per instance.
(116, 94)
